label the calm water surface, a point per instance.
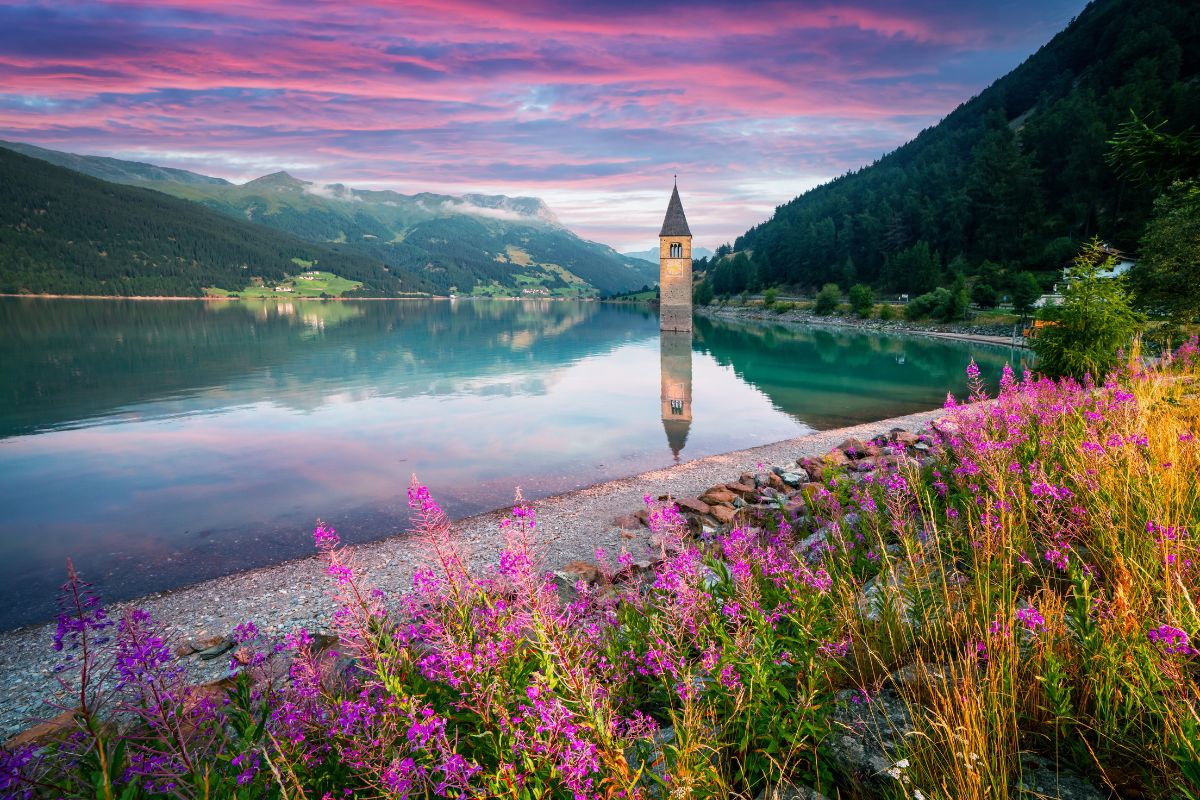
(161, 443)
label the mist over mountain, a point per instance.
(472, 242)
(62, 232)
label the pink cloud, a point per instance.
(521, 98)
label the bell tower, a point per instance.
(675, 268)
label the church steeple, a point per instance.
(675, 268)
(675, 223)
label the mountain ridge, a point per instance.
(493, 244)
(1014, 179)
(63, 232)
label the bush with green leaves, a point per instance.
(1164, 277)
(1095, 321)
(887, 312)
(1025, 292)
(942, 305)
(929, 305)
(828, 300)
(984, 296)
(862, 300)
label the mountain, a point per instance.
(112, 169)
(651, 254)
(1014, 179)
(489, 243)
(62, 232)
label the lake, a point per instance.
(159, 443)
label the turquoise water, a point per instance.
(160, 443)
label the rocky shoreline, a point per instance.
(571, 527)
(1001, 335)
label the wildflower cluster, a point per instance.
(1027, 588)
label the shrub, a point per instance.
(887, 312)
(984, 296)
(933, 304)
(828, 300)
(862, 300)
(770, 296)
(702, 295)
(1026, 291)
(942, 304)
(1093, 323)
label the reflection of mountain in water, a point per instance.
(68, 361)
(829, 378)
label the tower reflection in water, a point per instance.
(675, 360)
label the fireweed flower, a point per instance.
(245, 632)
(325, 537)
(1031, 618)
(79, 611)
(1173, 640)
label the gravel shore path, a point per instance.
(293, 594)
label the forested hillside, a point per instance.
(62, 232)
(1013, 180)
(491, 241)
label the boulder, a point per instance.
(810, 489)
(223, 646)
(650, 758)
(723, 514)
(906, 438)
(45, 731)
(895, 585)
(629, 522)
(836, 458)
(744, 490)
(575, 571)
(790, 791)
(869, 736)
(811, 542)
(866, 464)
(197, 643)
(924, 681)
(717, 495)
(1042, 779)
(693, 505)
(853, 446)
(813, 467)
(794, 478)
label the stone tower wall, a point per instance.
(675, 284)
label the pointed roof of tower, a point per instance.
(675, 223)
(677, 433)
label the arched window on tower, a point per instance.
(676, 250)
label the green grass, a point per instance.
(321, 283)
(636, 297)
(996, 317)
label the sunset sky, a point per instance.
(591, 106)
